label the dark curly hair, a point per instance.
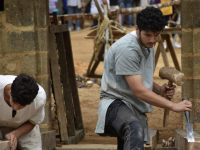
(151, 19)
(24, 89)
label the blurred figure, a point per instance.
(113, 7)
(52, 7)
(65, 6)
(127, 4)
(74, 7)
(93, 8)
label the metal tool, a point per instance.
(189, 126)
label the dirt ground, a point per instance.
(89, 97)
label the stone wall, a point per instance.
(24, 42)
(190, 18)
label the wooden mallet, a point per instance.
(174, 76)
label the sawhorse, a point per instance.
(165, 36)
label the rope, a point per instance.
(90, 28)
(100, 36)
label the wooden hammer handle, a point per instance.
(166, 111)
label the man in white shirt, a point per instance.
(22, 103)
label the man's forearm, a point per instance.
(156, 88)
(23, 129)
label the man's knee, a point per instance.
(134, 130)
(137, 129)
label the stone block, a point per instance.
(42, 39)
(181, 142)
(187, 88)
(42, 63)
(187, 42)
(28, 64)
(187, 62)
(18, 41)
(196, 64)
(9, 65)
(196, 41)
(196, 20)
(41, 13)
(1, 24)
(186, 14)
(4, 145)
(23, 12)
(48, 140)
(196, 89)
(47, 119)
(196, 107)
(45, 83)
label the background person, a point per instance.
(22, 103)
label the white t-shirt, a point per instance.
(34, 112)
(93, 8)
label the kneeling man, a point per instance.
(22, 103)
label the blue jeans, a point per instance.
(127, 4)
(73, 10)
(127, 128)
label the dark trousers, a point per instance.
(127, 128)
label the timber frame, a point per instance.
(64, 86)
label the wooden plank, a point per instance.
(160, 147)
(163, 52)
(55, 74)
(65, 81)
(99, 9)
(70, 66)
(59, 28)
(100, 56)
(153, 139)
(157, 55)
(94, 76)
(173, 30)
(90, 65)
(48, 140)
(78, 137)
(172, 51)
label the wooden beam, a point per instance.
(57, 89)
(71, 74)
(171, 50)
(126, 11)
(99, 9)
(58, 29)
(65, 81)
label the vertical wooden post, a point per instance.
(55, 73)
(71, 74)
(65, 81)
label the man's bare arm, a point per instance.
(156, 88)
(152, 98)
(22, 130)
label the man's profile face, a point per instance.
(147, 38)
(15, 106)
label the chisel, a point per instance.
(189, 126)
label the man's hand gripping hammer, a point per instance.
(174, 76)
